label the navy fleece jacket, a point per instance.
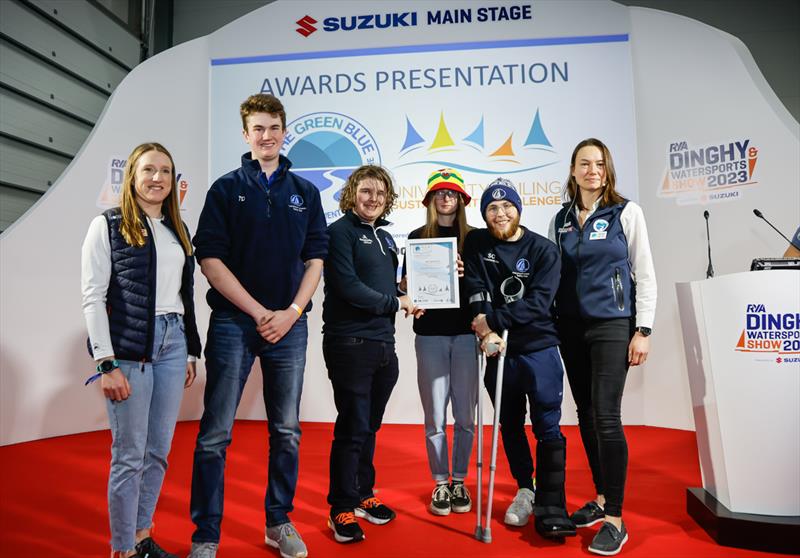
(263, 230)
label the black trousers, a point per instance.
(363, 374)
(596, 357)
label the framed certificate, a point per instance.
(432, 272)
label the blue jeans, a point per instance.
(536, 378)
(447, 372)
(363, 374)
(141, 429)
(232, 346)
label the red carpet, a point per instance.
(53, 499)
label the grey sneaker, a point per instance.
(287, 540)
(203, 550)
(520, 509)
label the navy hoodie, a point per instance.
(263, 231)
(534, 260)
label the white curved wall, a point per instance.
(691, 83)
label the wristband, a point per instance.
(103, 368)
(298, 309)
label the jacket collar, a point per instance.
(253, 168)
(351, 215)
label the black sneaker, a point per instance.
(375, 511)
(441, 500)
(460, 501)
(608, 541)
(590, 514)
(148, 548)
(345, 527)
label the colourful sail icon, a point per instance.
(476, 136)
(535, 153)
(413, 139)
(443, 138)
(505, 150)
(536, 136)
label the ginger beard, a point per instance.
(504, 230)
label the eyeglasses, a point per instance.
(445, 194)
(496, 208)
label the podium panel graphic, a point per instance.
(741, 336)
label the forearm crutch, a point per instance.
(486, 535)
(512, 290)
(479, 464)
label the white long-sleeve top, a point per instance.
(639, 256)
(96, 276)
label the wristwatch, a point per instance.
(107, 366)
(645, 331)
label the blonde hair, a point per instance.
(431, 228)
(610, 195)
(131, 225)
(347, 200)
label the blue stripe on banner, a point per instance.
(511, 43)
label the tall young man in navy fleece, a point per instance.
(261, 241)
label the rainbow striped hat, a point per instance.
(445, 179)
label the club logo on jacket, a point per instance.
(296, 202)
(600, 231)
(521, 268)
(365, 240)
(490, 257)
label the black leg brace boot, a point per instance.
(550, 506)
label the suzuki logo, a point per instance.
(306, 24)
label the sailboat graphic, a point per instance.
(537, 138)
(506, 153)
(413, 139)
(443, 138)
(505, 150)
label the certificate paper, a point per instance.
(432, 272)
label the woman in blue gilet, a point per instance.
(137, 272)
(605, 307)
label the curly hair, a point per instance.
(347, 200)
(262, 102)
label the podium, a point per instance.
(741, 336)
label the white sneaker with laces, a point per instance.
(520, 509)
